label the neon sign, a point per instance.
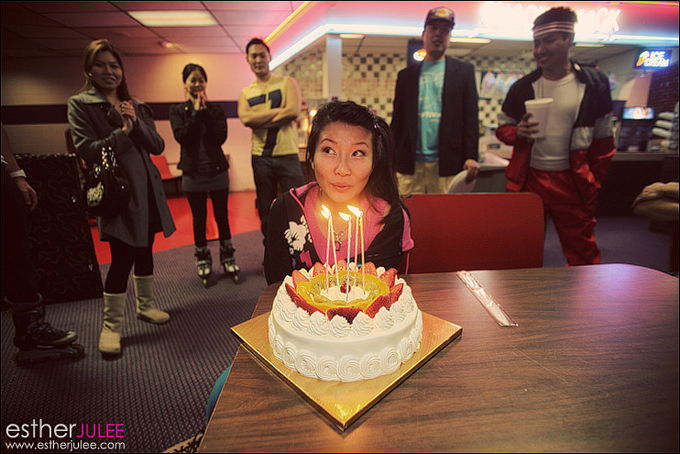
(516, 16)
(651, 59)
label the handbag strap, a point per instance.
(108, 158)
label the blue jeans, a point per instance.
(269, 173)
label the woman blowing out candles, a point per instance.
(201, 128)
(103, 115)
(349, 149)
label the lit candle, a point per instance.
(363, 252)
(356, 243)
(359, 215)
(331, 236)
(335, 258)
(360, 220)
(325, 212)
(348, 218)
(335, 253)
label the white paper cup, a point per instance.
(539, 109)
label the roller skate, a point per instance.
(228, 261)
(203, 263)
(39, 342)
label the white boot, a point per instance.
(114, 313)
(146, 309)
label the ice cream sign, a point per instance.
(650, 59)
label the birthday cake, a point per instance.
(344, 324)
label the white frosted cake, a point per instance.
(320, 331)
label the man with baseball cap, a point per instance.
(435, 117)
(567, 165)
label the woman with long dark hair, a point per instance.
(350, 150)
(201, 128)
(104, 115)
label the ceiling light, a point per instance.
(644, 40)
(290, 20)
(350, 36)
(470, 40)
(174, 18)
(168, 45)
(594, 45)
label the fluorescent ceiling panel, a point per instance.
(174, 18)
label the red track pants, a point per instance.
(574, 219)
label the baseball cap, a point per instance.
(440, 13)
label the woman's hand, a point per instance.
(199, 100)
(526, 128)
(127, 111)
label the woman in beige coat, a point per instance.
(103, 115)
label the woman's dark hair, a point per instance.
(383, 181)
(191, 67)
(90, 55)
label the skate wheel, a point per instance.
(39, 356)
(205, 283)
(76, 351)
(235, 278)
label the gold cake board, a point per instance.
(343, 403)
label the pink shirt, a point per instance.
(372, 217)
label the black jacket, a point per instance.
(459, 126)
(187, 128)
(290, 245)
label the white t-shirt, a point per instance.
(551, 152)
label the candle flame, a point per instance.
(325, 212)
(355, 211)
(345, 216)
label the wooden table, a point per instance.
(593, 366)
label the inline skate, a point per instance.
(204, 264)
(39, 342)
(228, 261)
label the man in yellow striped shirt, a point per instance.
(270, 106)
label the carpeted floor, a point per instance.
(622, 239)
(158, 389)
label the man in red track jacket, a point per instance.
(567, 166)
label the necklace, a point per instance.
(338, 238)
(338, 235)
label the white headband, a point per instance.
(562, 27)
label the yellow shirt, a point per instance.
(279, 141)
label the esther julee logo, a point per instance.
(32, 436)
